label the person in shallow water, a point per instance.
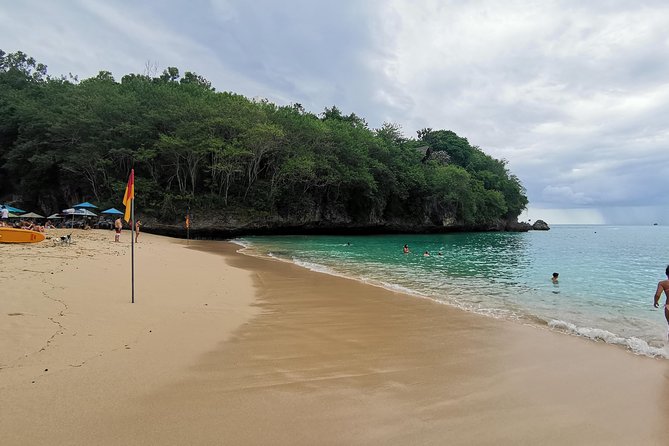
(405, 250)
(554, 279)
(663, 285)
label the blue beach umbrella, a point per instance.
(85, 205)
(112, 211)
(14, 210)
(82, 207)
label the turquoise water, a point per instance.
(608, 274)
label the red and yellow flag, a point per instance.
(129, 195)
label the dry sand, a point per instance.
(222, 348)
(73, 349)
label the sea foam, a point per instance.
(241, 242)
(636, 345)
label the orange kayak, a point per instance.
(12, 235)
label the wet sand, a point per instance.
(318, 359)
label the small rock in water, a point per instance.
(540, 225)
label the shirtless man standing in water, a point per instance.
(663, 285)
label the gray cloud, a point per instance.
(574, 96)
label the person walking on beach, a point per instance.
(4, 213)
(137, 225)
(663, 285)
(118, 225)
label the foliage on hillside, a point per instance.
(64, 140)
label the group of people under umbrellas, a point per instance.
(27, 220)
(82, 209)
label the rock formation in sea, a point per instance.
(540, 225)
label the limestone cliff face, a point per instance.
(229, 226)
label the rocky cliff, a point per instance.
(224, 227)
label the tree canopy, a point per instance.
(63, 140)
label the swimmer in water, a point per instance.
(405, 250)
(663, 285)
(556, 285)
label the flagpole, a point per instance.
(129, 203)
(132, 247)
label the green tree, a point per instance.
(64, 140)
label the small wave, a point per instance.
(498, 313)
(636, 345)
(249, 249)
(317, 267)
(241, 242)
(398, 288)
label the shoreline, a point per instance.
(288, 356)
(633, 345)
(333, 361)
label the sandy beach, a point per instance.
(223, 348)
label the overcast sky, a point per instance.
(575, 95)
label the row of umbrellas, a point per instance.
(81, 209)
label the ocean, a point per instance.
(607, 275)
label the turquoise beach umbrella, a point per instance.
(112, 211)
(85, 205)
(14, 210)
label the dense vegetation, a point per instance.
(63, 140)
